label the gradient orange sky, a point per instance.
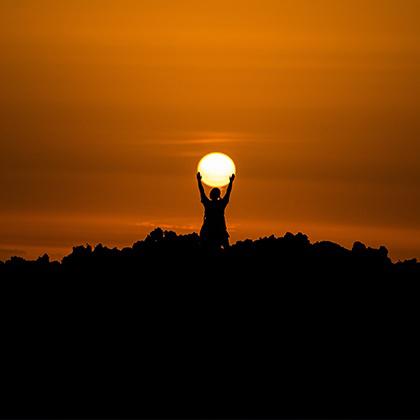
(107, 106)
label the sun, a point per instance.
(216, 168)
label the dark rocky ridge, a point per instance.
(290, 254)
(271, 328)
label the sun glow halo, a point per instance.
(216, 168)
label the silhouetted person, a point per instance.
(213, 233)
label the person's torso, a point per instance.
(214, 214)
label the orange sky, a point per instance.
(107, 106)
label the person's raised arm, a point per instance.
(229, 189)
(203, 196)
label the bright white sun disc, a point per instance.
(215, 169)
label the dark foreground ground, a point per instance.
(270, 328)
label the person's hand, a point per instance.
(199, 176)
(232, 177)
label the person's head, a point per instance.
(215, 194)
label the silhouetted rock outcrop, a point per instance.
(182, 255)
(164, 329)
